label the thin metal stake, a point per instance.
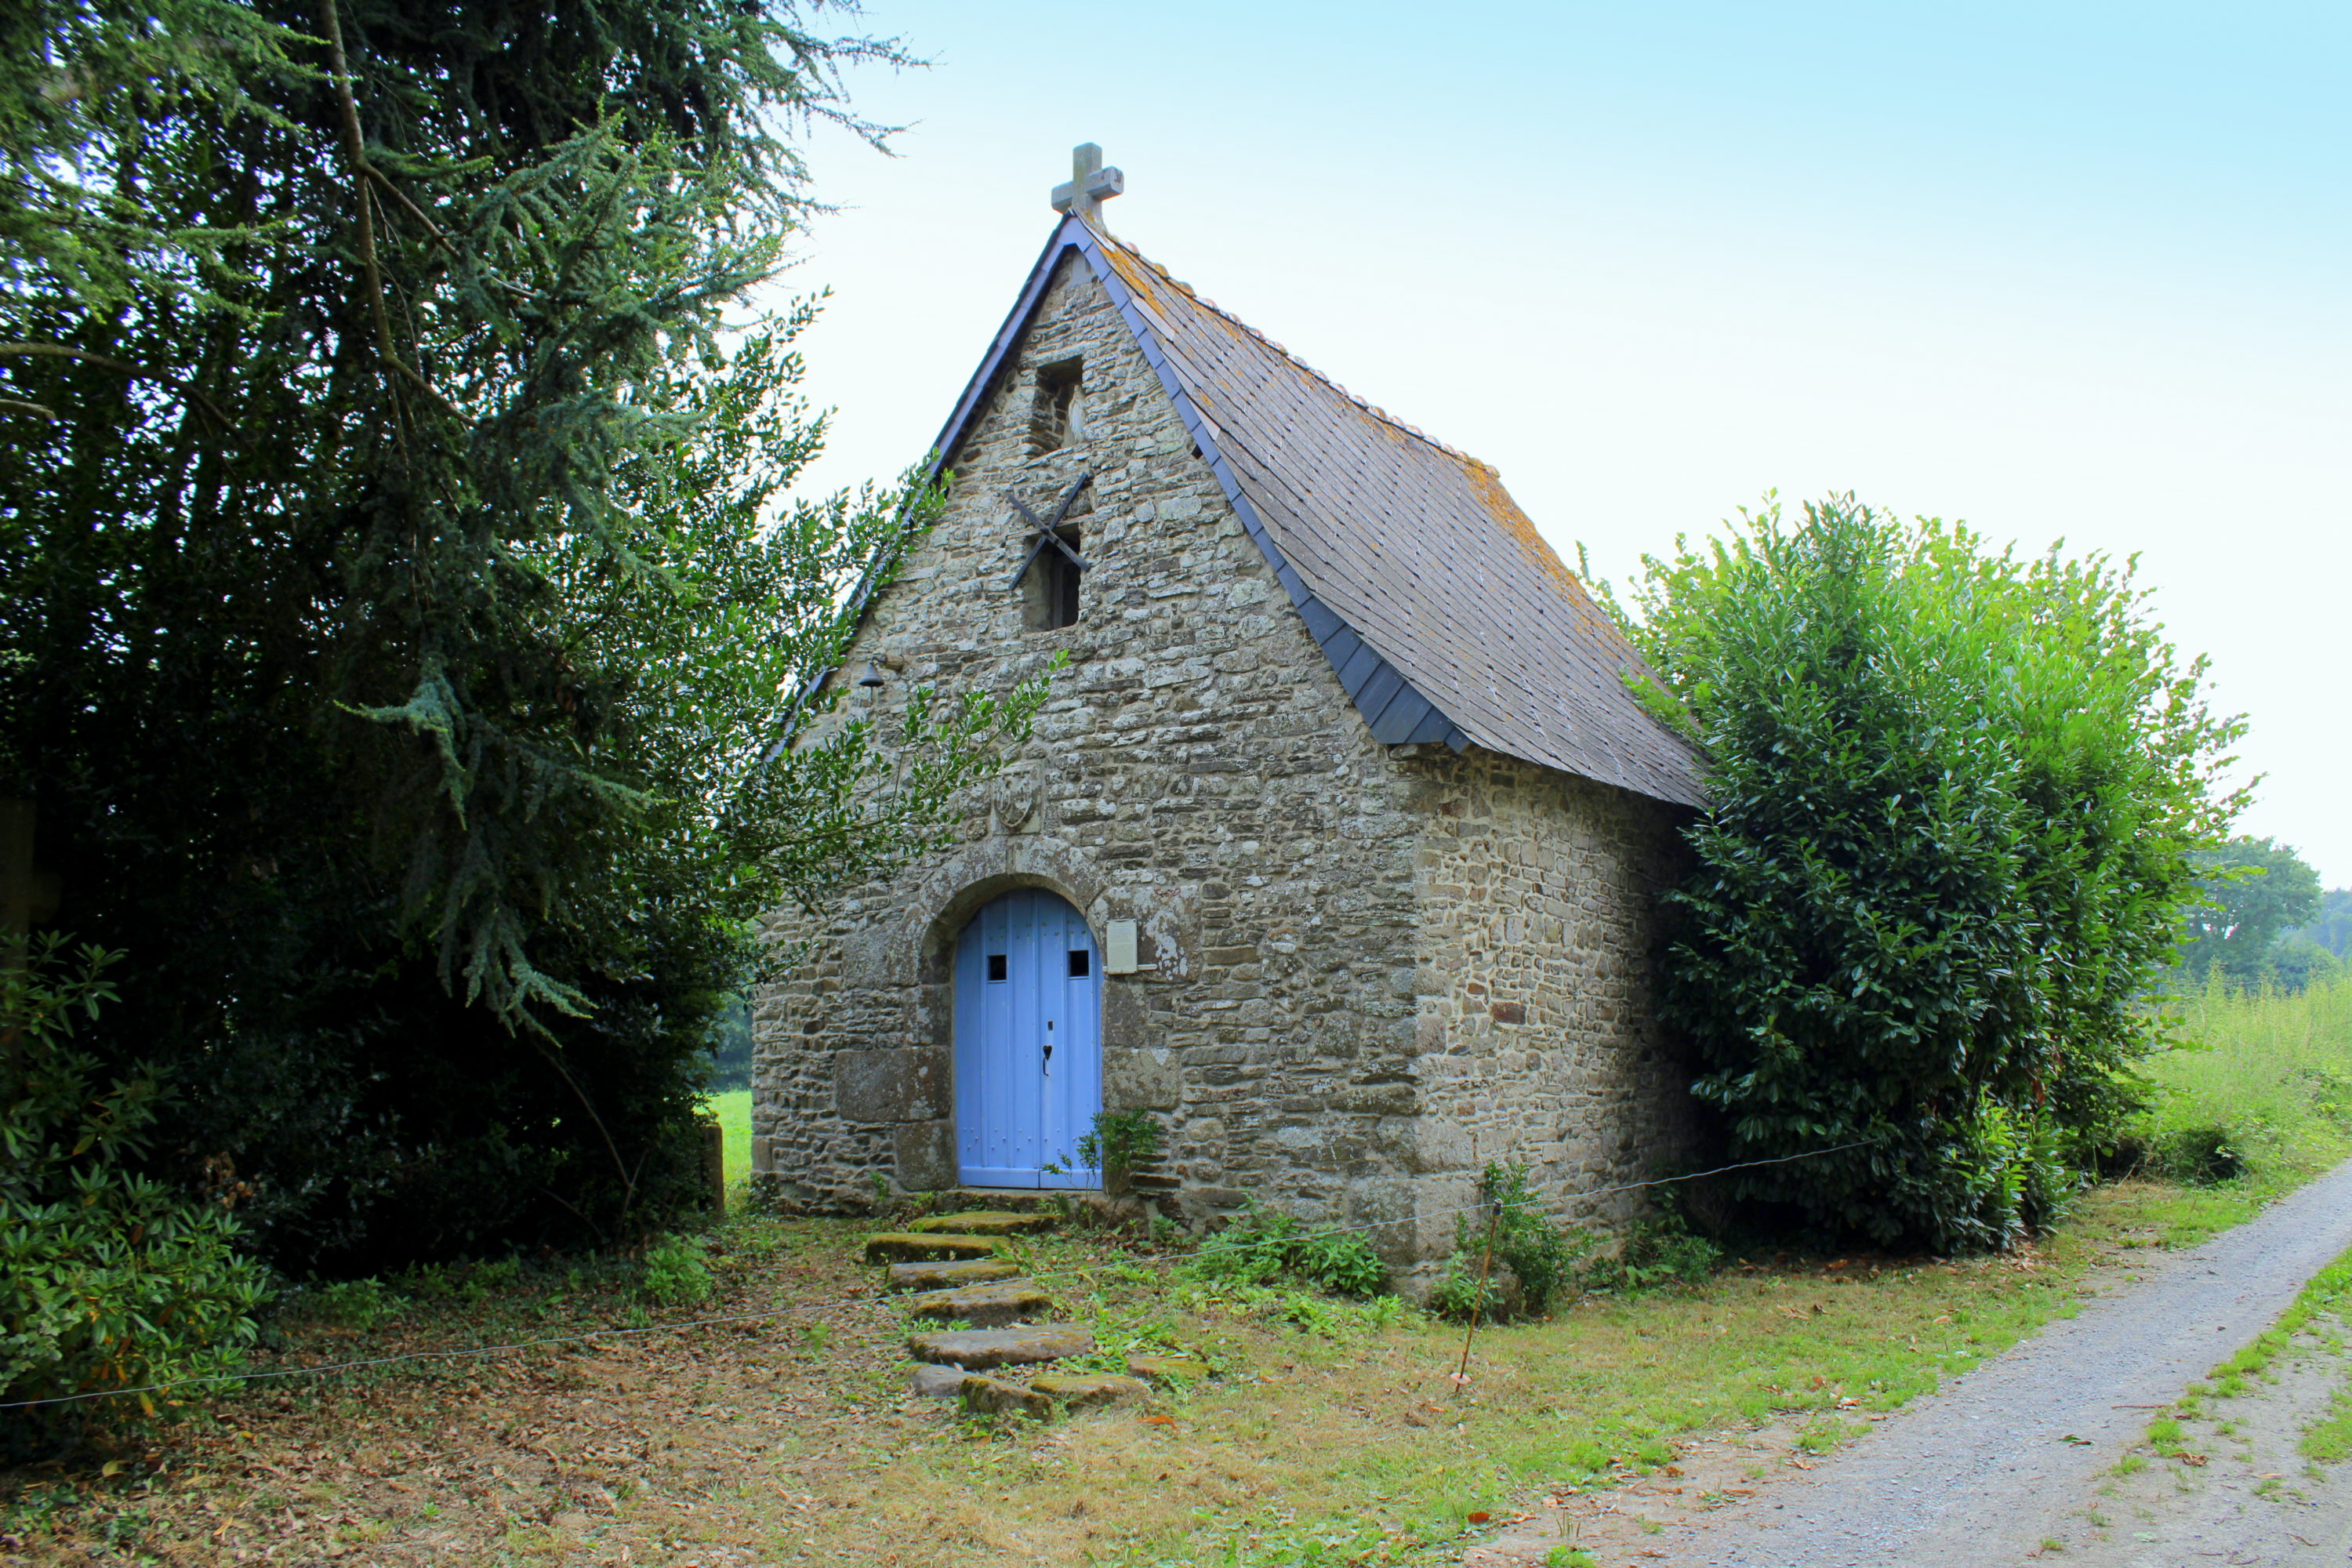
(1485, 1272)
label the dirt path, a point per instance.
(2011, 1454)
(2244, 1492)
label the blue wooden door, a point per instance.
(1028, 1042)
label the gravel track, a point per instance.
(1981, 1473)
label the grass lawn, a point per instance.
(733, 1110)
(1332, 1436)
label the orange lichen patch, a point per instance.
(1133, 269)
(1487, 486)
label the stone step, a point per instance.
(985, 1222)
(977, 1350)
(952, 1275)
(1161, 1371)
(986, 1305)
(1000, 1200)
(1049, 1395)
(939, 1382)
(900, 1246)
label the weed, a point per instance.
(2255, 1095)
(1342, 1322)
(1261, 1246)
(1658, 1251)
(1516, 1233)
(1569, 1557)
(677, 1272)
(361, 1304)
(2328, 1440)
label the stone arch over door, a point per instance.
(914, 955)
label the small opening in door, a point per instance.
(1081, 962)
(996, 966)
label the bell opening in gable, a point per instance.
(1049, 593)
(1057, 418)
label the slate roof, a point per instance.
(1444, 613)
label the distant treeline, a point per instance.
(2265, 921)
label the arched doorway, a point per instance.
(1028, 1042)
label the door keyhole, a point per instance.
(1049, 1045)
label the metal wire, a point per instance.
(777, 1314)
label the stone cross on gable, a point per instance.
(1089, 186)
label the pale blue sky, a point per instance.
(2059, 270)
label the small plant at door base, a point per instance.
(1122, 1141)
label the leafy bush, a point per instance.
(1466, 1290)
(678, 1273)
(1954, 805)
(109, 1279)
(1261, 1246)
(1542, 1256)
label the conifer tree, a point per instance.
(405, 618)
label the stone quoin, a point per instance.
(1363, 832)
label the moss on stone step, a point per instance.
(1164, 1370)
(984, 1305)
(899, 1247)
(1076, 1390)
(984, 1396)
(977, 1350)
(985, 1222)
(954, 1274)
(1049, 1394)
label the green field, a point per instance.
(734, 1112)
(2264, 1078)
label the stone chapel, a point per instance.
(1337, 846)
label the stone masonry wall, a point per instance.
(1537, 1021)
